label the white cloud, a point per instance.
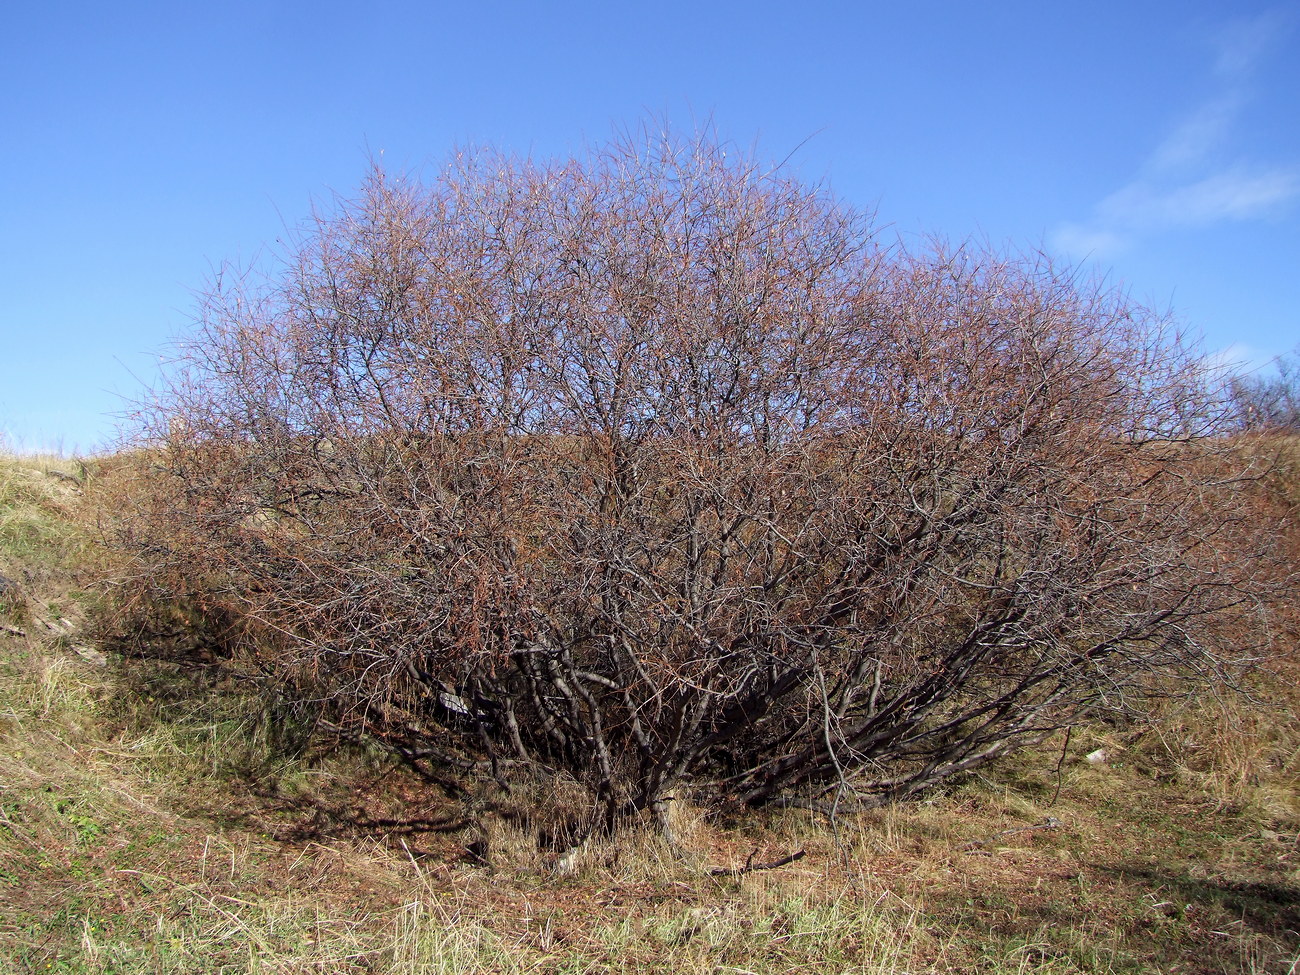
(1146, 207)
(1194, 177)
(1235, 359)
(1239, 193)
(1087, 242)
(1198, 135)
(1245, 43)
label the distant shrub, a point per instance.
(1270, 401)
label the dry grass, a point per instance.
(152, 822)
(141, 843)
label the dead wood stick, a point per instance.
(1051, 822)
(751, 866)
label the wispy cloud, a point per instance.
(1238, 193)
(1193, 178)
(1237, 359)
(1193, 140)
(1083, 240)
(1245, 43)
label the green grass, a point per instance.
(152, 820)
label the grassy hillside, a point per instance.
(161, 821)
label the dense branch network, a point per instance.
(656, 470)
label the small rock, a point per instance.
(567, 863)
(1098, 757)
(90, 654)
(60, 626)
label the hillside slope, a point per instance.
(159, 820)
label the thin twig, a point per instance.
(1051, 822)
(1059, 762)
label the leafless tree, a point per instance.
(1270, 401)
(657, 468)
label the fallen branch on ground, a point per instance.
(1051, 822)
(751, 867)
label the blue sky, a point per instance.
(145, 143)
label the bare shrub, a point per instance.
(1271, 401)
(656, 470)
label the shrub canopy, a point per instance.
(655, 469)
